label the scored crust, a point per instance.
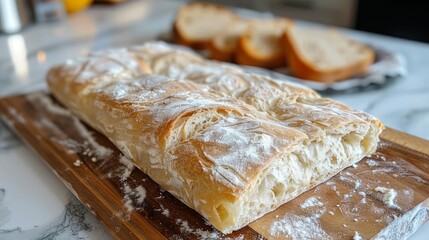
(231, 145)
(352, 58)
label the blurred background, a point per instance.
(404, 19)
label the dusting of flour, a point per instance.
(389, 196)
(200, 233)
(299, 227)
(311, 202)
(127, 168)
(357, 236)
(97, 149)
(302, 227)
(77, 163)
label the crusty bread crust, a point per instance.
(221, 51)
(221, 54)
(248, 54)
(231, 145)
(179, 35)
(304, 69)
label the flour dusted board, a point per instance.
(132, 206)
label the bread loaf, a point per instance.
(224, 45)
(261, 44)
(231, 145)
(324, 55)
(196, 24)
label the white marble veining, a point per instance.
(34, 204)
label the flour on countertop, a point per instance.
(357, 184)
(371, 163)
(127, 168)
(128, 203)
(133, 197)
(98, 150)
(299, 227)
(72, 146)
(357, 236)
(77, 163)
(351, 180)
(377, 210)
(346, 196)
(49, 104)
(16, 115)
(388, 197)
(200, 233)
(240, 237)
(166, 212)
(140, 193)
(311, 202)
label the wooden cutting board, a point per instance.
(135, 207)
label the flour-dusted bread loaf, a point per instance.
(261, 45)
(224, 45)
(196, 24)
(325, 55)
(231, 145)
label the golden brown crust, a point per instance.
(223, 46)
(179, 35)
(249, 54)
(209, 133)
(221, 54)
(178, 38)
(306, 70)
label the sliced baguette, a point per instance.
(325, 55)
(224, 45)
(261, 45)
(197, 23)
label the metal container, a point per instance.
(14, 15)
(48, 10)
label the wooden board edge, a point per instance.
(402, 139)
(406, 140)
(407, 224)
(21, 130)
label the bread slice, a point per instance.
(197, 23)
(224, 45)
(325, 55)
(231, 145)
(261, 45)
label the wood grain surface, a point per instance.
(340, 208)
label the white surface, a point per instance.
(43, 196)
(35, 197)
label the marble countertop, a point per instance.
(34, 204)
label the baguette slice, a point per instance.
(231, 145)
(224, 45)
(197, 23)
(325, 55)
(261, 45)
